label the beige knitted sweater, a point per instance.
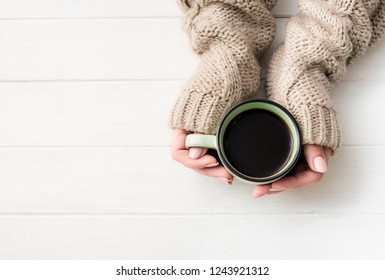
(231, 35)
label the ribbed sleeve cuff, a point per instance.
(308, 100)
(318, 126)
(198, 112)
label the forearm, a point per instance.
(229, 36)
(320, 42)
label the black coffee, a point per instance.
(257, 143)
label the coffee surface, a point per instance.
(257, 143)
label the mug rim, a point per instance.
(287, 166)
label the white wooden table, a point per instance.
(86, 87)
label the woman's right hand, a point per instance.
(196, 158)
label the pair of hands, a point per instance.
(305, 173)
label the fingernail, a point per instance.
(194, 153)
(320, 164)
(225, 180)
(212, 164)
(277, 189)
(258, 195)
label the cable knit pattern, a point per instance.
(320, 42)
(230, 36)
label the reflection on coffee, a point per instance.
(257, 143)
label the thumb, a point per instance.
(196, 152)
(315, 157)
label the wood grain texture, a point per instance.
(118, 49)
(190, 237)
(86, 114)
(53, 9)
(147, 181)
(93, 49)
(135, 113)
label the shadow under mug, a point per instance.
(257, 141)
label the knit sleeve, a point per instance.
(229, 36)
(325, 37)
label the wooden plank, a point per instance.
(193, 237)
(132, 113)
(147, 181)
(86, 114)
(91, 50)
(112, 49)
(38, 9)
(360, 112)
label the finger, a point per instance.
(217, 172)
(196, 152)
(297, 180)
(315, 158)
(182, 156)
(276, 188)
(261, 190)
(178, 140)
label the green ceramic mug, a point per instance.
(257, 141)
